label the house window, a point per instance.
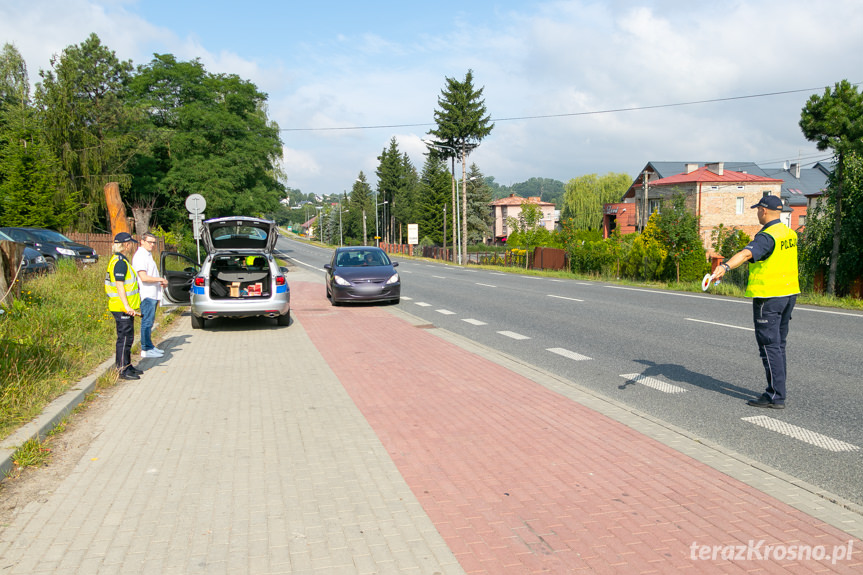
(765, 193)
(739, 208)
(653, 205)
(801, 221)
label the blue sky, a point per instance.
(329, 65)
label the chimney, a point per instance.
(717, 168)
(795, 169)
(691, 168)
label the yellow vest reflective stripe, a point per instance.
(130, 283)
(776, 276)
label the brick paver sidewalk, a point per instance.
(520, 479)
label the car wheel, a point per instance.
(284, 319)
(197, 322)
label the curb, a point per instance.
(51, 415)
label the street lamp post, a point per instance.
(377, 234)
(456, 215)
(318, 223)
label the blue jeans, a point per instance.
(148, 318)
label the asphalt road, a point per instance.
(688, 359)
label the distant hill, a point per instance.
(547, 189)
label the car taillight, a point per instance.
(199, 282)
(280, 280)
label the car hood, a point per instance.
(239, 233)
(355, 273)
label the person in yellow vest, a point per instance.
(773, 286)
(124, 301)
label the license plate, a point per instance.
(88, 260)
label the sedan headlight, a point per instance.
(394, 279)
(341, 281)
(65, 251)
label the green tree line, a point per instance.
(162, 130)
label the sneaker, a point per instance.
(155, 352)
(135, 370)
(129, 375)
(765, 402)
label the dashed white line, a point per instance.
(567, 353)
(445, 311)
(474, 321)
(496, 274)
(800, 433)
(406, 298)
(486, 285)
(423, 304)
(562, 297)
(720, 324)
(439, 277)
(513, 335)
(652, 382)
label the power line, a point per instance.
(573, 114)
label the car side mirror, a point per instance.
(283, 269)
(395, 264)
(328, 267)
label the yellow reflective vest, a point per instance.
(130, 283)
(776, 276)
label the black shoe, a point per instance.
(134, 370)
(764, 401)
(129, 375)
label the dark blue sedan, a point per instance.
(362, 274)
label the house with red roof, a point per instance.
(718, 193)
(510, 207)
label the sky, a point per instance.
(574, 87)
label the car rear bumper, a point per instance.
(207, 308)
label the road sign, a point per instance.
(196, 204)
(413, 234)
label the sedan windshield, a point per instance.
(357, 258)
(50, 236)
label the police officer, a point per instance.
(124, 301)
(773, 286)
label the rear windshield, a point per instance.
(231, 236)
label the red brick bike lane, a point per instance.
(519, 479)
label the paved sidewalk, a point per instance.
(359, 440)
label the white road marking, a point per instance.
(653, 382)
(445, 311)
(406, 298)
(496, 274)
(439, 277)
(583, 284)
(474, 321)
(486, 285)
(801, 433)
(567, 353)
(714, 298)
(513, 335)
(720, 324)
(423, 304)
(568, 298)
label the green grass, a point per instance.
(56, 333)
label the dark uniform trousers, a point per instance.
(125, 337)
(771, 316)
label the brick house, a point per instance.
(718, 192)
(510, 207)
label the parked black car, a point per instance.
(34, 262)
(53, 245)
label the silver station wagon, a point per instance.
(239, 277)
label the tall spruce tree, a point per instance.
(434, 194)
(29, 173)
(479, 214)
(462, 123)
